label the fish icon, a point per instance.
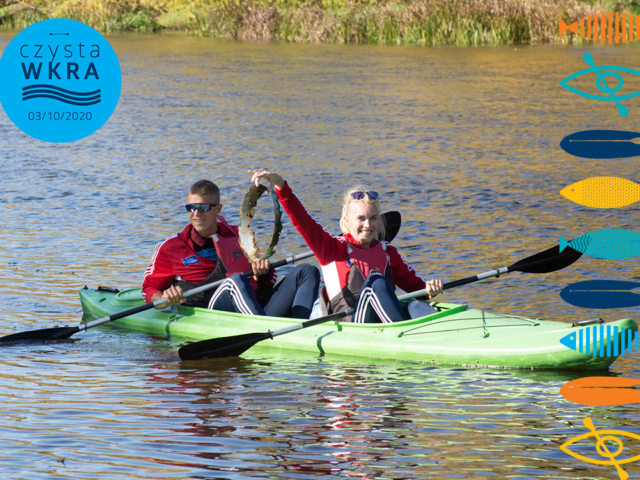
(602, 144)
(602, 448)
(602, 294)
(591, 340)
(602, 391)
(603, 192)
(610, 27)
(601, 83)
(607, 244)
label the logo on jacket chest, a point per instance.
(236, 254)
(192, 260)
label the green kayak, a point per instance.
(455, 335)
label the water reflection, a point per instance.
(464, 142)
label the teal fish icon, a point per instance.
(602, 340)
(608, 244)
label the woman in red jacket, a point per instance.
(358, 268)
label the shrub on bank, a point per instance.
(424, 22)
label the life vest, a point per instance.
(231, 259)
(362, 262)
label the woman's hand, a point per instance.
(261, 267)
(273, 178)
(434, 287)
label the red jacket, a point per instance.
(332, 251)
(176, 259)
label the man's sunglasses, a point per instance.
(360, 195)
(203, 207)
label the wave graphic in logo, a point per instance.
(61, 95)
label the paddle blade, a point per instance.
(57, 333)
(548, 261)
(393, 221)
(221, 347)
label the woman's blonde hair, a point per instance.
(348, 200)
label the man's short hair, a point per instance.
(205, 188)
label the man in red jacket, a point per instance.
(208, 250)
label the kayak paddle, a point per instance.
(393, 220)
(544, 262)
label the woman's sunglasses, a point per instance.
(360, 195)
(203, 207)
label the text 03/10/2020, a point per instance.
(57, 116)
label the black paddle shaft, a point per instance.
(551, 260)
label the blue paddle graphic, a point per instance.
(602, 294)
(602, 144)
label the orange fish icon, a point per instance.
(606, 27)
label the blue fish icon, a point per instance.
(601, 83)
(607, 244)
(602, 340)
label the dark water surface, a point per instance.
(463, 141)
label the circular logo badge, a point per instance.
(60, 80)
(236, 254)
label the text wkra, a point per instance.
(73, 68)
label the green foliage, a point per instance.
(390, 22)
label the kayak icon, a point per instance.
(601, 83)
(602, 436)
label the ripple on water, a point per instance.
(476, 175)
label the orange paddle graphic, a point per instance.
(602, 391)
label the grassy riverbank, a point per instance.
(423, 22)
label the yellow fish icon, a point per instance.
(603, 192)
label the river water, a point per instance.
(462, 141)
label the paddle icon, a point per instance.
(602, 144)
(393, 221)
(602, 391)
(547, 261)
(602, 294)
